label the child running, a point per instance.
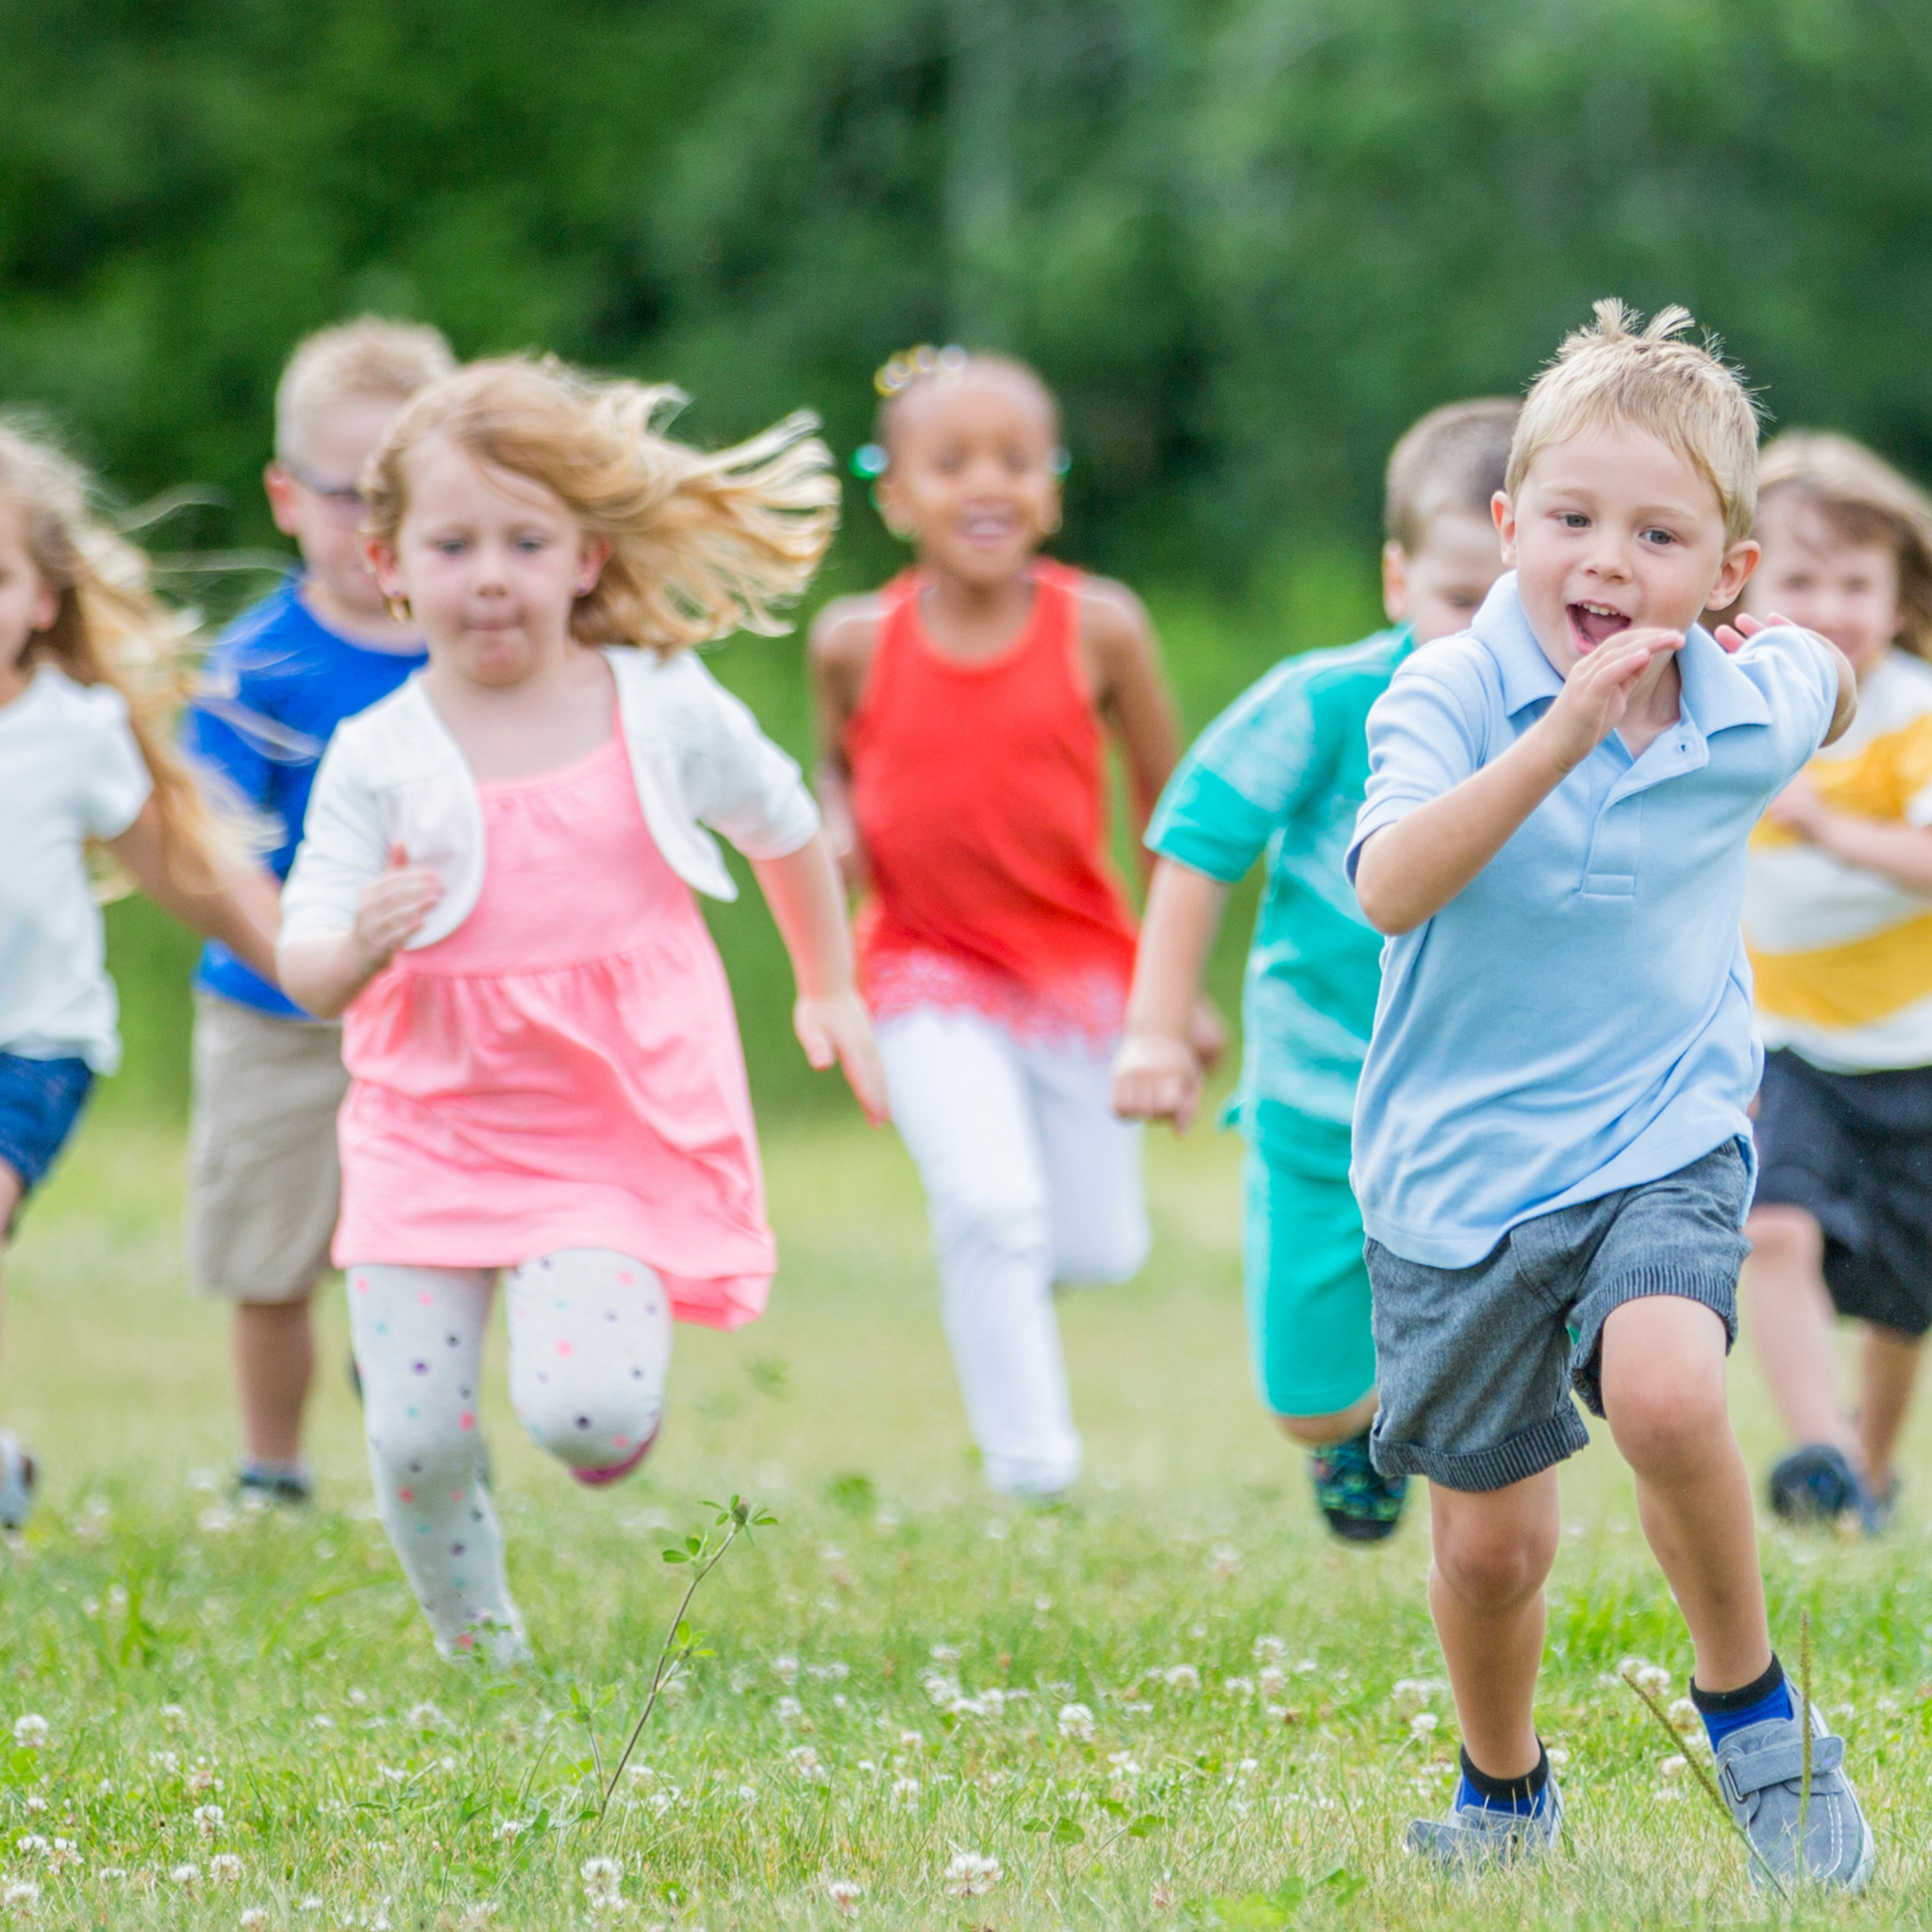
(1838, 917)
(1282, 772)
(496, 885)
(1552, 1151)
(963, 718)
(263, 1183)
(90, 681)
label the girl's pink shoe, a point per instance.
(616, 1472)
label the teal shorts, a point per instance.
(1311, 1333)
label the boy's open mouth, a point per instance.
(1591, 623)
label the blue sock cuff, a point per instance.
(1726, 1711)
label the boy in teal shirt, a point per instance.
(1282, 772)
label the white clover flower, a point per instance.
(1684, 1714)
(1163, 1898)
(1557, 1755)
(186, 1875)
(1269, 1650)
(164, 1760)
(36, 1802)
(945, 1653)
(225, 1868)
(1121, 1764)
(22, 1894)
(202, 1778)
(1240, 1689)
(310, 1904)
(1248, 1766)
(1417, 1690)
(1182, 1677)
(510, 1830)
(33, 1844)
(62, 1853)
(426, 1717)
(1422, 1723)
(906, 1791)
(216, 1521)
(944, 1692)
(208, 1819)
(804, 1759)
(603, 1883)
(748, 1793)
(790, 1710)
(1308, 1667)
(1043, 1604)
(253, 1916)
(1223, 1561)
(108, 1872)
(1272, 1682)
(972, 1875)
(785, 1669)
(1076, 1721)
(911, 1741)
(829, 1674)
(173, 1715)
(1646, 1677)
(845, 1894)
(1673, 1767)
(992, 1701)
(30, 1732)
(322, 1721)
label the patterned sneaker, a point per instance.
(1760, 1771)
(1816, 1484)
(1361, 1505)
(17, 1473)
(258, 1488)
(1474, 1837)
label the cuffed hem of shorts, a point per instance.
(1527, 1453)
(255, 1294)
(1719, 1294)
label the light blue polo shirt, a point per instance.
(1577, 1019)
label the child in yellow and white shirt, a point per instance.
(1838, 919)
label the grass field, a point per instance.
(1206, 1713)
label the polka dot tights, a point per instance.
(590, 1346)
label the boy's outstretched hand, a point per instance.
(1596, 694)
(837, 1027)
(1157, 1077)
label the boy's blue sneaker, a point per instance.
(1816, 1484)
(1760, 1771)
(1361, 1505)
(17, 1474)
(1477, 1836)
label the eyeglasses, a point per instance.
(342, 502)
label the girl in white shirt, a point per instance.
(90, 679)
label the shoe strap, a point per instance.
(1779, 1764)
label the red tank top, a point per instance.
(978, 789)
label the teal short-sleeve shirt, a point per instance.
(1282, 772)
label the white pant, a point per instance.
(1029, 1179)
(590, 1347)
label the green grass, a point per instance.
(275, 1666)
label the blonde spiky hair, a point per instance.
(1650, 379)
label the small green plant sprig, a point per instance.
(702, 1555)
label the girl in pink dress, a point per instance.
(496, 890)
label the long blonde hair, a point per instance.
(111, 629)
(700, 544)
(1861, 499)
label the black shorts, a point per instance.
(1855, 1151)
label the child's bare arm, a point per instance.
(1406, 872)
(241, 907)
(831, 1020)
(843, 637)
(1157, 1074)
(1901, 852)
(1130, 690)
(323, 972)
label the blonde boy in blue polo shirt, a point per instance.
(1550, 1133)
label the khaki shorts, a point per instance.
(264, 1179)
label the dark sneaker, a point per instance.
(17, 1473)
(1474, 1837)
(257, 1487)
(1760, 1771)
(1816, 1484)
(1361, 1505)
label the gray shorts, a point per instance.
(1474, 1366)
(264, 1183)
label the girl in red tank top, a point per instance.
(963, 717)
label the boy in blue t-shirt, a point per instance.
(1282, 771)
(1552, 1147)
(263, 1181)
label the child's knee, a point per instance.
(596, 1416)
(1781, 1234)
(1668, 1418)
(1492, 1559)
(987, 1228)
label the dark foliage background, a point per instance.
(1246, 240)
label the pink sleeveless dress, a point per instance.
(563, 1071)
